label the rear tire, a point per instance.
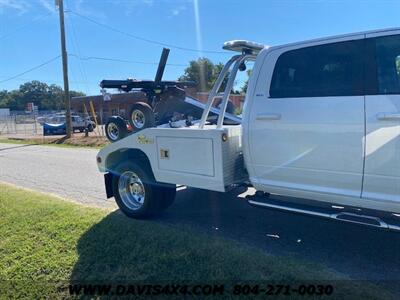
(116, 129)
(141, 116)
(137, 193)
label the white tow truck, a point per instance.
(321, 121)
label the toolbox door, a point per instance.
(186, 155)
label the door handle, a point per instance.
(388, 116)
(268, 116)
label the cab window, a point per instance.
(334, 69)
(387, 52)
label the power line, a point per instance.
(83, 58)
(50, 80)
(31, 69)
(142, 38)
(121, 60)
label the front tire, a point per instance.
(137, 193)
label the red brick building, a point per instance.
(118, 105)
(237, 100)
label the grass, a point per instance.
(76, 141)
(47, 242)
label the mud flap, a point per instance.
(108, 185)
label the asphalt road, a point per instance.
(67, 172)
(361, 252)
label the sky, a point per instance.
(119, 39)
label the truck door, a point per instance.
(306, 122)
(382, 153)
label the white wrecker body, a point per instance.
(188, 155)
(340, 147)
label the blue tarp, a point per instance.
(54, 129)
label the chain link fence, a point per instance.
(21, 124)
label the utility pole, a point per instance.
(65, 69)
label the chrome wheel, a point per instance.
(113, 131)
(131, 190)
(138, 118)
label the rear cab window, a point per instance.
(360, 67)
(387, 57)
(334, 69)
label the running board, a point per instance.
(341, 216)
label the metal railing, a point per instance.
(231, 74)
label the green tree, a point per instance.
(54, 99)
(217, 69)
(4, 98)
(46, 97)
(201, 72)
(33, 91)
(204, 73)
(243, 89)
(9, 99)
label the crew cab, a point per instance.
(321, 123)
